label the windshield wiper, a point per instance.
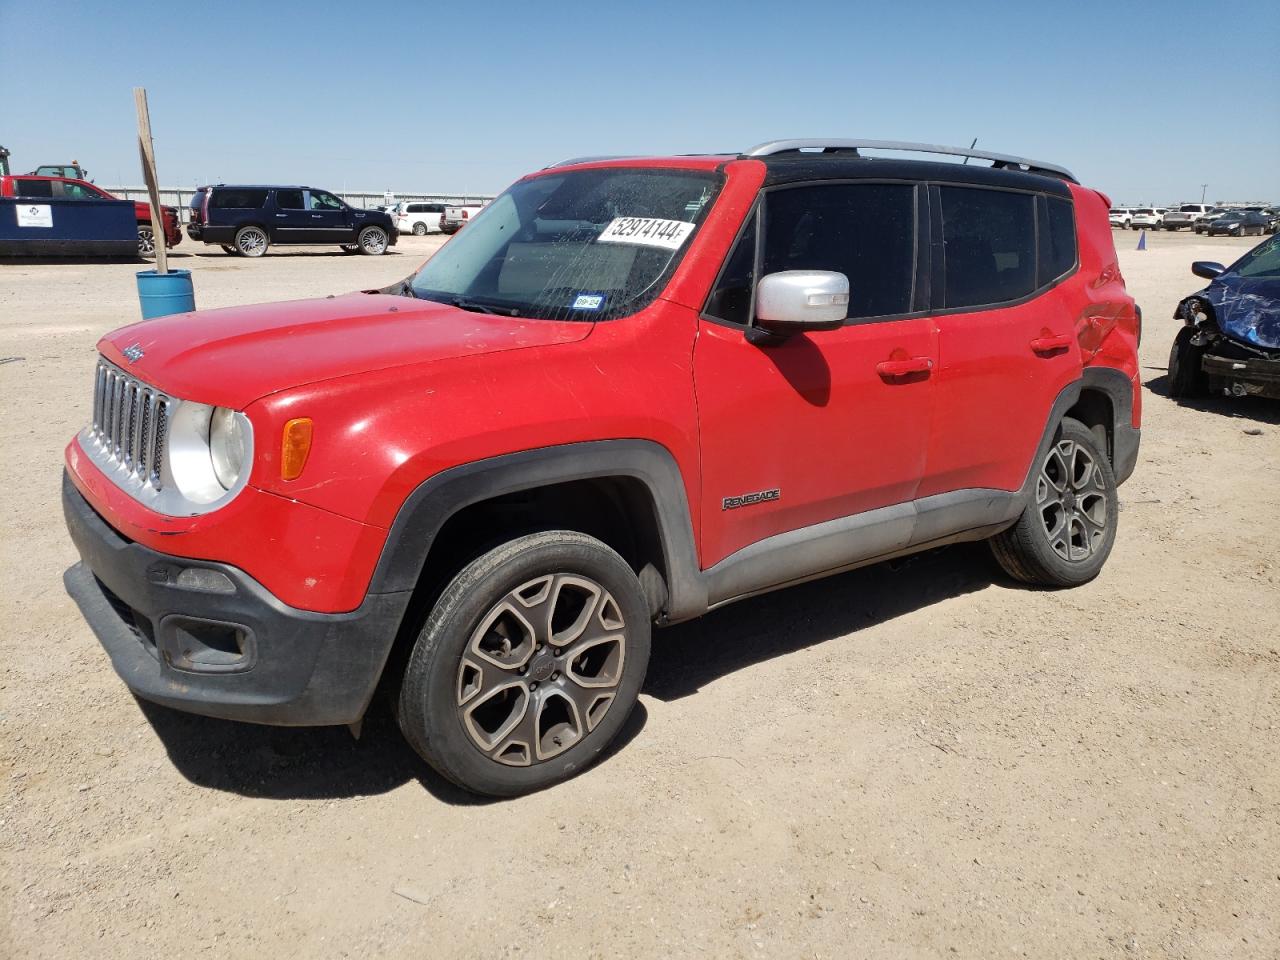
(475, 306)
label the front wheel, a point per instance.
(1065, 533)
(251, 241)
(372, 241)
(529, 664)
(1186, 375)
(419, 229)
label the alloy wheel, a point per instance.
(373, 241)
(1072, 501)
(146, 241)
(542, 669)
(252, 242)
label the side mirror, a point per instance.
(793, 301)
(1208, 269)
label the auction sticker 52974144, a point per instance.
(646, 232)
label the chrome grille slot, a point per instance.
(129, 423)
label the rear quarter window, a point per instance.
(238, 199)
(1057, 240)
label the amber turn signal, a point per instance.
(294, 447)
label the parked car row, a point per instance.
(1200, 217)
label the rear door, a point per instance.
(291, 219)
(824, 425)
(1006, 332)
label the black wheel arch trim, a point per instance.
(436, 499)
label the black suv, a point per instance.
(245, 220)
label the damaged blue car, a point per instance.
(1230, 340)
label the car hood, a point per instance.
(1247, 309)
(236, 355)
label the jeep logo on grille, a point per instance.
(747, 499)
(133, 353)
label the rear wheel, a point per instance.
(350, 248)
(146, 240)
(227, 248)
(251, 241)
(1065, 534)
(372, 241)
(528, 665)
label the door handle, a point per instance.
(281, 214)
(315, 216)
(901, 368)
(1047, 345)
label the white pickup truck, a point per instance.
(1186, 215)
(455, 218)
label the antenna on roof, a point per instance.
(971, 146)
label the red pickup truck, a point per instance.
(66, 188)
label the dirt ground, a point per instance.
(919, 761)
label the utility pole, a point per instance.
(1203, 188)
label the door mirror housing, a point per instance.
(793, 301)
(1208, 269)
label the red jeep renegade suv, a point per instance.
(631, 391)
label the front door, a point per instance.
(824, 425)
(330, 219)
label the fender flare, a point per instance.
(426, 510)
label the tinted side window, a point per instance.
(989, 241)
(33, 188)
(238, 199)
(289, 200)
(324, 201)
(1057, 240)
(867, 231)
(731, 299)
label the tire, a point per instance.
(1065, 534)
(227, 248)
(349, 248)
(372, 241)
(146, 241)
(1187, 378)
(251, 241)
(461, 709)
(419, 229)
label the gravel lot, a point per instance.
(918, 761)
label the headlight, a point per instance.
(227, 447)
(209, 450)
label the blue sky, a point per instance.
(1130, 96)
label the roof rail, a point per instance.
(1000, 160)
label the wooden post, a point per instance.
(146, 151)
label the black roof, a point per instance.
(800, 167)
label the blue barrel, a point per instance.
(161, 294)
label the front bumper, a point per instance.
(1243, 377)
(215, 641)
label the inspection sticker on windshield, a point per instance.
(588, 301)
(646, 232)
